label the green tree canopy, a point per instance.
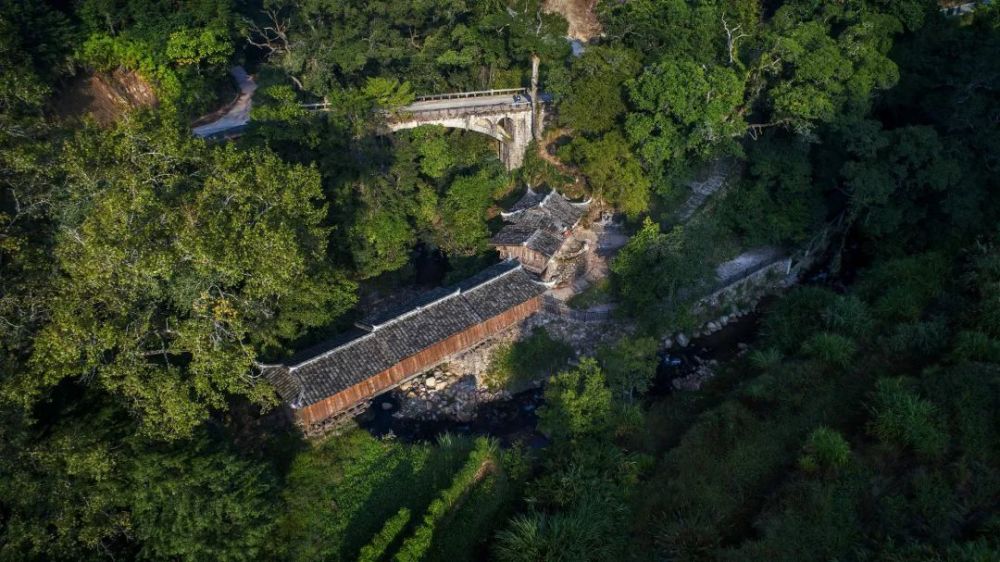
(179, 265)
(577, 403)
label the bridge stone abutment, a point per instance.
(512, 129)
(506, 115)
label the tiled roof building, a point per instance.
(538, 225)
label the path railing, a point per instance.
(555, 306)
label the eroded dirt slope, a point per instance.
(104, 96)
(580, 14)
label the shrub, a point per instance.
(415, 547)
(339, 494)
(630, 366)
(904, 419)
(795, 316)
(577, 404)
(903, 288)
(833, 349)
(849, 316)
(374, 550)
(514, 365)
(825, 450)
(976, 346)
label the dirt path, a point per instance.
(543, 153)
(233, 116)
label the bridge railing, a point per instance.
(475, 94)
(315, 106)
(440, 113)
(451, 96)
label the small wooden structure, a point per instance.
(325, 385)
(538, 226)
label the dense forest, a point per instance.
(146, 274)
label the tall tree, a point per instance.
(178, 265)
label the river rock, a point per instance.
(440, 385)
(430, 382)
(682, 339)
(713, 327)
(386, 406)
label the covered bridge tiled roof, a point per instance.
(404, 332)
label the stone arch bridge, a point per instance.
(509, 116)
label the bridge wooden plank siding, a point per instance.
(325, 386)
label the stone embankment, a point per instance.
(455, 389)
(442, 393)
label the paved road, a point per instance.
(239, 114)
(466, 103)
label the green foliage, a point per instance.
(629, 366)
(172, 46)
(340, 493)
(191, 504)
(472, 524)
(976, 346)
(437, 46)
(170, 316)
(389, 94)
(777, 202)
(812, 518)
(577, 403)
(833, 349)
(902, 418)
(613, 172)
(463, 211)
(515, 365)
(381, 241)
(436, 155)
(903, 288)
(825, 450)
(890, 187)
(849, 316)
(376, 549)
(142, 275)
(594, 80)
(209, 46)
(795, 316)
(88, 483)
(827, 73)
(580, 534)
(657, 274)
(481, 460)
(685, 108)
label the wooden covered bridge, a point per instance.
(323, 386)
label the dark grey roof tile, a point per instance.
(436, 316)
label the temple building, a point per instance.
(335, 381)
(538, 228)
